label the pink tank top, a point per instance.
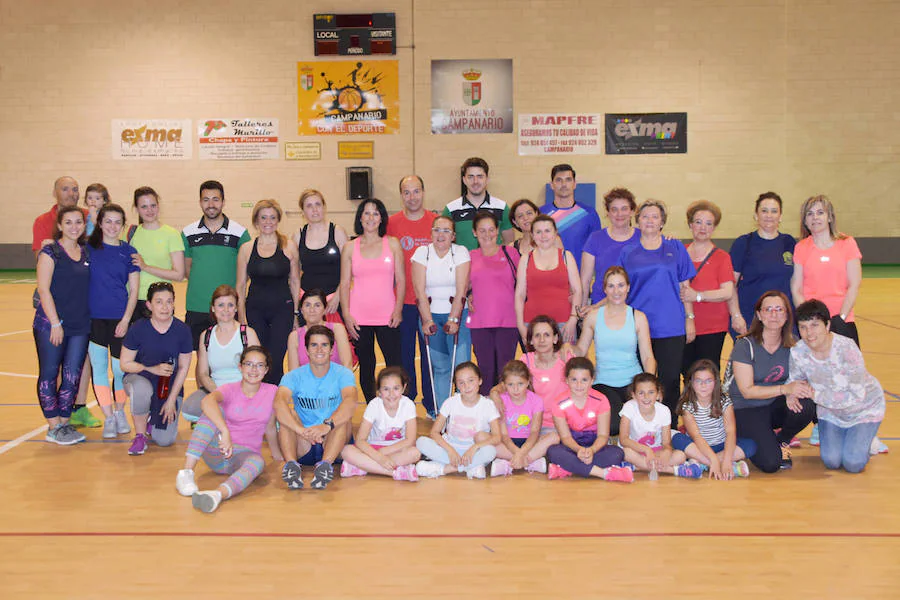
(549, 384)
(302, 356)
(548, 291)
(372, 296)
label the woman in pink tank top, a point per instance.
(373, 283)
(313, 305)
(547, 281)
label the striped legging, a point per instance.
(244, 465)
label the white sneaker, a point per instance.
(878, 447)
(109, 428)
(207, 501)
(184, 483)
(122, 426)
(538, 466)
(429, 468)
(476, 473)
(501, 468)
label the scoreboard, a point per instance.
(355, 35)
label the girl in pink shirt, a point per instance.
(521, 412)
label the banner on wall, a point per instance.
(348, 97)
(646, 133)
(472, 96)
(151, 139)
(560, 134)
(238, 139)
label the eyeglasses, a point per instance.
(441, 230)
(704, 381)
(777, 310)
(254, 365)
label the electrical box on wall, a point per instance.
(359, 183)
(355, 35)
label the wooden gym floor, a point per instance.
(91, 522)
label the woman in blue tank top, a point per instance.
(620, 333)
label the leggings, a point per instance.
(273, 323)
(841, 327)
(759, 422)
(140, 390)
(617, 397)
(669, 353)
(409, 333)
(563, 456)
(708, 345)
(243, 466)
(100, 359)
(389, 340)
(57, 400)
(435, 452)
(494, 347)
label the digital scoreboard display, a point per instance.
(355, 35)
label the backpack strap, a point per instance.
(131, 231)
(509, 261)
(209, 332)
(244, 341)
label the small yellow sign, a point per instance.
(356, 150)
(302, 151)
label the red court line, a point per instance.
(449, 536)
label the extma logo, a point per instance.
(143, 134)
(631, 128)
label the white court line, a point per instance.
(4, 373)
(27, 436)
(14, 332)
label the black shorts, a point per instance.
(198, 323)
(140, 312)
(103, 333)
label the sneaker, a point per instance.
(429, 468)
(323, 473)
(348, 470)
(703, 467)
(501, 468)
(538, 466)
(83, 418)
(122, 426)
(64, 435)
(555, 471)
(478, 472)
(184, 482)
(207, 501)
(786, 461)
(878, 447)
(138, 445)
(627, 465)
(292, 475)
(109, 428)
(405, 473)
(619, 474)
(688, 471)
(795, 443)
(740, 469)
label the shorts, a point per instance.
(519, 442)
(316, 452)
(103, 333)
(680, 441)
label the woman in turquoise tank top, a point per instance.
(620, 334)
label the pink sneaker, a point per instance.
(795, 443)
(348, 470)
(501, 467)
(623, 474)
(406, 473)
(557, 472)
(538, 466)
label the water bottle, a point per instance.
(654, 475)
(162, 384)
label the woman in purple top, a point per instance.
(492, 317)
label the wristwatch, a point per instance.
(330, 422)
(453, 319)
(699, 298)
(690, 316)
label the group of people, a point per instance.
(655, 310)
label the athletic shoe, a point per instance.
(64, 435)
(429, 468)
(740, 469)
(692, 461)
(348, 470)
(122, 426)
(688, 471)
(109, 428)
(138, 445)
(501, 468)
(538, 466)
(555, 471)
(795, 443)
(627, 465)
(292, 475)
(184, 482)
(323, 473)
(622, 474)
(878, 447)
(405, 473)
(207, 501)
(83, 418)
(786, 461)
(478, 472)
(814, 435)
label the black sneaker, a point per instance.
(292, 475)
(786, 462)
(322, 474)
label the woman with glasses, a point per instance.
(440, 273)
(229, 435)
(156, 356)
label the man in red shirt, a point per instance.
(412, 227)
(65, 190)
